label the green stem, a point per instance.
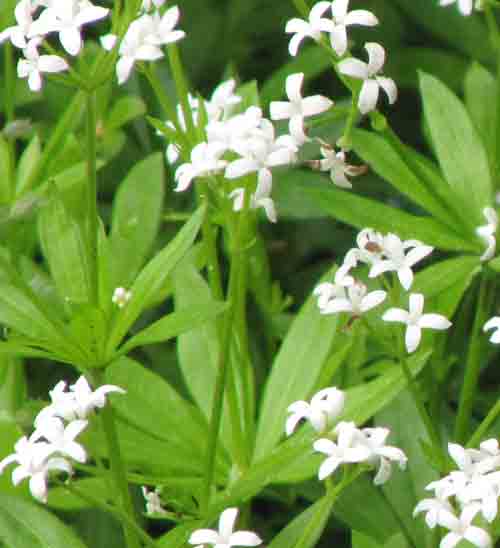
(481, 430)
(92, 216)
(182, 88)
(472, 368)
(119, 474)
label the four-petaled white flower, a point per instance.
(342, 19)
(415, 320)
(327, 291)
(224, 537)
(382, 455)
(153, 501)
(372, 82)
(356, 301)
(434, 507)
(312, 28)
(121, 297)
(260, 198)
(326, 405)
(205, 161)
(34, 65)
(464, 6)
(398, 260)
(162, 27)
(493, 323)
(461, 528)
(335, 163)
(298, 107)
(62, 438)
(487, 233)
(24, 17)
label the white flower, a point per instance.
(487, 233)
(382, 455)
(372, 83)
(343, 19)
(298, 107)
(464, 6)
(312, 28)
(67, 17)
(461, 528)
(35, 64)
(148, 4)
(348, 449)
(493, 323)
(121, 297)
(24, 18)
(394, 249)
(335, 163)
(434, 508)
(260, 198)
(485, 490)
(356, 301)
(222, 101)
(205, 161)
(415, 321)
(224, 537)
(62, 438)
(162, 28)
(327, 292)
(34, 463)
(326, 405)
(153, 501)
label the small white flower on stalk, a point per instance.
(372, 83)
(222, 101)
(398, 260)
(24, 17)
(493, 323)
(487, 233)
(335, 163)
(349, 449)
(356, 300)
(34, 463)
(205, 161)
(61, 438)
(342, 19)
(260, 198)
(326, 405)
(461, 528)
(153, 501)
(312, 28)
(225, 537)
(148, 4)
(162, 27)
(121, 297)
(433, 507)
(464, 6)
(415, 321)
(67, 17)
(298, 107)
(382, 455)
(326, 291)
(34, 65)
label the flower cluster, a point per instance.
(35, 20)
(382, 253)
(352, 445)
(473, 489)
(144, 37)
(52, 443)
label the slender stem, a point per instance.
(484, 426)
(92, 216)
(472, 368)
(119, 474)
(182, 88)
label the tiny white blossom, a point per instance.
(298, 108)
(461, 528)
(148, 4)
(335, 163)
(24, 18)
(162, 27)
(342, 19)
(311, 28)
(153, 501)
(464, 6)
(34, 65)
(355, 300)
(327, 291)
(225, 537)
(433, 508)
(61, 438)
(121, 297)
(205, 161)
(493, 323)
(325, 406)
(260, 198)
(415, 320)
(487, 233)
(372, 82)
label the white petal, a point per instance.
(376, 57)
(35, 81)
(354, 68)
(244, 538)
(338, 39)
(124, 67)
(361, 17)
(395, 315)
(204, 536)
(316, 104)
(328, 467)
(412, 338)
(477, 536)
(325, 446)
(294, 45)
(280, 110)
(416, 303)
(389, 86)
(71, 40)
(492, 323)
(417, 254)
(226, 522)
(337, 305)
(38, 486)
(405, 276)
(368, 96)
(372, 300)
(293, 87)
(239, 168)
(52, 63)
(450, 540)
(434, 321)
(339, 8)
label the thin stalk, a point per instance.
(472, 368)
(182, 88)
(92, 216)
(484, 426)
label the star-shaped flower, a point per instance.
(369, 73)
(335, 163)
(356, 300)
(24, 18)
(205, 161)
(461, 528)
(312, 28)
(342, 19)
(34, 65)
(260, 198)
(415, 320)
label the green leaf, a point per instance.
(61, 499)
(63, 244)
(23, 524)
(124, 110)
(5, 172)
(27, 164)
(174, 325)
(137, 211)
(362, 541)
(309, 341)
(178, 536)
(364, 212)
(456, 141)
(152, 279)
